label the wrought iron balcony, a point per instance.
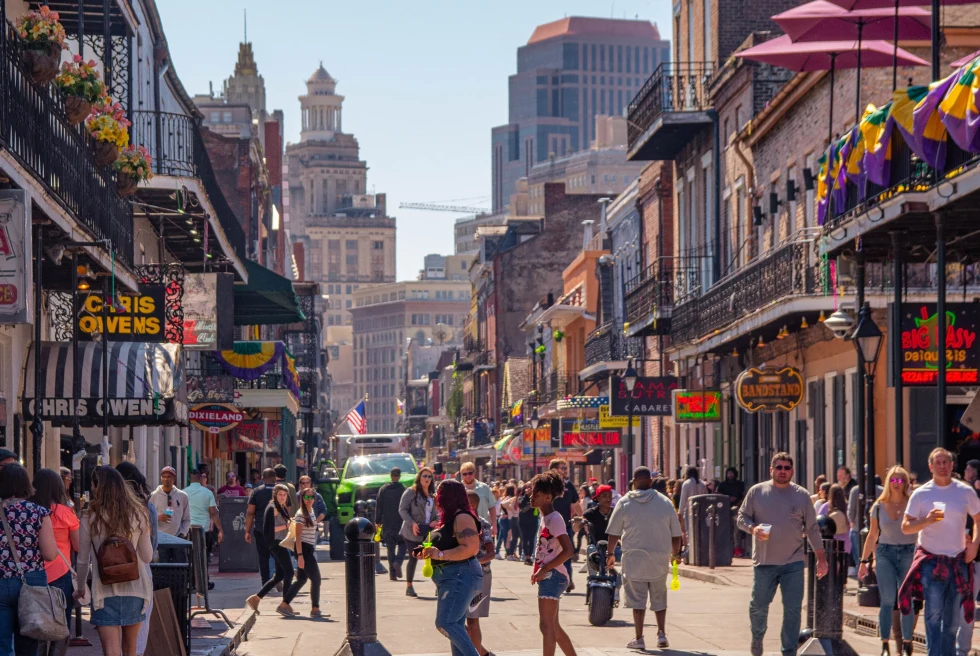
(669, 110)
(609, 344)
(59, 155)
(169, 138)
(650, 296)
(782, 274)
(558, 385)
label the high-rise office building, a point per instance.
(568, 72)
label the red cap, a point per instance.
(602, 488)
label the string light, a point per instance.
(822, 317)
(804, 325)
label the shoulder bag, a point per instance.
(40, 609)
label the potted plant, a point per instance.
(107, 125)
(558, 335)
(82, 86)
(44, 39)
(133, 166)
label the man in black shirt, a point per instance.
(257, 502)
(568, 506)
(598, 515)
(386, 515)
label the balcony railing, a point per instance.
(169, 138)
(59, 155)
(782, 274)
(609, 344)
(660, 286)
(558, 385)
(673, 87)
(226, 216)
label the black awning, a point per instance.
(146, 384)
(267, 298)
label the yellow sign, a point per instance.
(607, 420)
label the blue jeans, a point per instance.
(964, 631)
(856, 548)
(503, 528)
(789, 579)
(67, 586)
(12, 643)
(942, 604)
(457, 583)
(892, 562)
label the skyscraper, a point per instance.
(569, 71)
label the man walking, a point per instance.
(646, 522)
(488, 504)
(940, 574)
(387, 517)
(203, 510)
(172, 504)
(568, 506)
(281, 472)
(691, 487)
(257, 502)
(777, 513)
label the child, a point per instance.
(554, 548)
(480, 606)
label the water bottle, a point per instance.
(427, 566)
(675, 579)
(377, 534)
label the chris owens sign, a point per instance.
(133, 318)
(769, 389)
(919, 338)
(215, 417)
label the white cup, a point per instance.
(766, 528)
(940, 506)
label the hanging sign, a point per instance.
(697, 406)
(919, 338)
(15, 256)
(215, 417)
(608, 421)
(650, 396)
(139, 318)
(214, 389)
(591, 439)
(769, 389)
(208, 304)
(247, 437)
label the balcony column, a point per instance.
(896, 343)
(859, 435)
(106, 44)
(942, 439)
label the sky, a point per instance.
(423, 82)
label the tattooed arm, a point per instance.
(467, 534)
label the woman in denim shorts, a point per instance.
(554, 548)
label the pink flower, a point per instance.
(77, 58)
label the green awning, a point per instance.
(267, 298)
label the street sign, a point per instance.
(610, 421)
(697, 406)
(769, 389)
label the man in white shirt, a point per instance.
(938, 511)
(488, 504)
(172, 504)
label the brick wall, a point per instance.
(226, 160)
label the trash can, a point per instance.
(171, 549)
(177, 577)
(698, 530)
(234, 554)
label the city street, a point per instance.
(703, 618)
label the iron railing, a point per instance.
(782, 274)
(559, 384)
(170, 139)
(37, 133)
(608, 344)
(226, 216)
(673, 87)
(662, 285)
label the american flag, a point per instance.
(356, 419)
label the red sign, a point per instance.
(592, 439)
(920, 328)
(247, 437)
(215, 417)
(8, 294)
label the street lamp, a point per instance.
(629, 378)
(535, 422)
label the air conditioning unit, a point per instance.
(846, 270)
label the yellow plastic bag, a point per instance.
(377, 534)
(675, 579)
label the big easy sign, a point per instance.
(920, 329)
(650, 396)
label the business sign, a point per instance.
(697, 406)
(769, 389)
(215, 417)
(15, 256)
(607, 420)
(140, 318)
(247, 437)
(591, 440)
(540, 436)
(650, 396)
(122, 412)
(210, 389)
(919, 365)
(209, 313)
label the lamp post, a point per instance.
(629, 378)
(535, 422)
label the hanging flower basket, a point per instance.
(558, 335)
(82, 86)
(126, 184)
(106, 153)
(77, 109)
(133, 166)
(107, 125)
(43, 37)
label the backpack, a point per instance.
(118, 562)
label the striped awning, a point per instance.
(146, 384)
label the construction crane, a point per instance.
(437, 207)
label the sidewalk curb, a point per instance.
(234, 637)
(703, 575)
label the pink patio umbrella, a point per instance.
(966, 60)
(822, 20)
(828, 56)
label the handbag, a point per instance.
(289, 542)
(40, 609)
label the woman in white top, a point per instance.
(507, 535)
(117, 609)
(305, 550)
(417, 510)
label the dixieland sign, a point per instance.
(769, 389)
(215, 417)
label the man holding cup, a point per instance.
(941, 575)
(777, 513)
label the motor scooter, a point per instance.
(602, 586)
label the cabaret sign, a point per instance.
(769, 389)
(919, 365)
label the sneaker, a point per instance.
(637, 643)
(513, 557)
(396, 571)
(756, 649)
(410, 592)
(498, 557)
(662, 641)
(253, 603)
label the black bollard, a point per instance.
(362, 622)
(371, 511)
(828, 605)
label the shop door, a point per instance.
(817, 407)
(840, 422)
(801, 459)
(765, 443)
(750, 430)
(922, 430)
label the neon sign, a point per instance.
(697, 406)
(920, 328)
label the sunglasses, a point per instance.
(426, 476)
(782, 467)
(468, 473)
(309, 496)
(897, 480)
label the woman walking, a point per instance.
(455, 569)
(49, 493)
(508, 529)
(137, 483)
(527, 522)
(417, 510)
(893, 551)
(33, 524)
(118, 609)
(306, 524)
(275, 527)
(554, 548)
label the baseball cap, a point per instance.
(168, 470)
(7, 453)
(602, 488)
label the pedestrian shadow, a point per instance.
(492, 598)
(674, 652)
